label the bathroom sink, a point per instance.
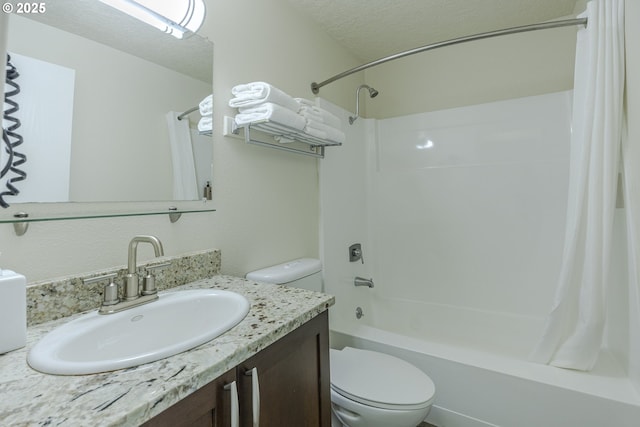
(176, 322)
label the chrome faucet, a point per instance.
(361, 281)
(132, 295)
(132, 284)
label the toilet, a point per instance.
(368, 388)
(374, 389)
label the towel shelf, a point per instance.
(315, 146)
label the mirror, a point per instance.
(107, 84)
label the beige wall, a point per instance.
(266, 201)
(269, 203)
(473, 73)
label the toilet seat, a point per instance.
(379, 380)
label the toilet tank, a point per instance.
(302, 273)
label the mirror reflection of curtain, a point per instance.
(185, 185)
(46, 112)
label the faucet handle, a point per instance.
(158, 267)
(90, 280)
(149, 280)
(110, 294)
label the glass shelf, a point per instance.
(21, 220)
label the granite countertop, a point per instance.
(132, 396)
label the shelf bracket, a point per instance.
(21, 227)
(174, 216)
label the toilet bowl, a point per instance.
(372, 389)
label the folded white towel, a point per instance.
(205, 124)
(206, 106)
(304, 101)
(272, 112)
(330, 133)
(319, 115)
(312, 111)
(317, 133)
(256, 93)
(310, 114)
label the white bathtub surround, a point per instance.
(478, 388)
(574, 331)
(461, 214)
(185, 186)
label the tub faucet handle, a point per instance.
(355, 253)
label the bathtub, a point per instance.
(478, 362)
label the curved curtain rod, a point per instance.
(186, 113)
(315, 87)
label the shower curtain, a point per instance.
(185, 185)
(574, 329)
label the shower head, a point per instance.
(372, 93)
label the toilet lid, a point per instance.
(379, 380)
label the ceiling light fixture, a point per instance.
(170, 16)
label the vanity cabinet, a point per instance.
(209, 406)
(293, 381)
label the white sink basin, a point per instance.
(176, 322)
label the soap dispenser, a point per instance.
(13, 311)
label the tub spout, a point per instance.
(361, 281)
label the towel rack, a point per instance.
(277, 130)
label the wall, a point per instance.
(267, 201)
(469, 203)
(475, 72)
(344, 204)
(269, 208)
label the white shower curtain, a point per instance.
(631, 156)
(574, 329)
(185, 185)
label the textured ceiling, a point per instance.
(372, 29)
(96, 21)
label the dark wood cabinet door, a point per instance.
(294, 384)
(209, 406)
(293, 377)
